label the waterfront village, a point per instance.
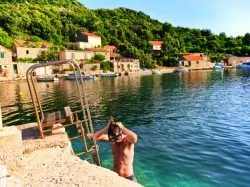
(27, 160)
(88, 46)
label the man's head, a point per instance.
(114, 132)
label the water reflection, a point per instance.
(193, 127)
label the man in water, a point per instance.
(123, 144)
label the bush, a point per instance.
(107, 66)
(35, 39)
(94, 68)
(26, 60)
(99, 57)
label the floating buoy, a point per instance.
(20, 94)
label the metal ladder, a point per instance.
(83, 123)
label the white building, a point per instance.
(156, 45)
(85, 40)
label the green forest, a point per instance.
(57, 22)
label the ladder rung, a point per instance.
(79, 121)
(87, 159)
(75, 137)
(84, 152)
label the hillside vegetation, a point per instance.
(58, 21)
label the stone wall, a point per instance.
(6, 63)
(23, 67)
(234, 60)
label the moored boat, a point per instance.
(46, 79)
(218, 66)
(180, 70)
(84, 76)
(244, 65)
(111, 74)
(156, 71)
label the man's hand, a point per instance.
(111, 120)
(120, 125)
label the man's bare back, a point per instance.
(123, 144)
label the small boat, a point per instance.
(180, 70)
(244, 66)
(218, 66)
(84, 76)
(146, 72)
(111, 74)
(156, 71)
(46, 79)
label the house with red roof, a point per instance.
(112, 49)
(85, 40)
(156, 45)
(194, 60)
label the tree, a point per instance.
(99, 57)
(106, 66)
(47, 56)
(5, 40)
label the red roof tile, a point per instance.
(97, 50)
(156, 43)
(110, 47)
(90, 34)
(192, 57)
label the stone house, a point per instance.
(6, 64)
(101, 51)
(234, 60)
(156, 45)
(85, 40)
(75, 55)
(126, 64)
(195, 60)
(26, 52)
(112, 49)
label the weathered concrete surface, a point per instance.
(49, 162)
(10, 147)
(3, 174)
(32, 141)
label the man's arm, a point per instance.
(131, 136)
(100, 135)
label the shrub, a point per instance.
(94, 68)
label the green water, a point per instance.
(193, 128)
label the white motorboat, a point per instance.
(156, 71)
(111, 74)
(84, 76)
(46, 79)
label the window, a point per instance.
(72, 55)
(197, 62)
(27, 52)
(189, 63)
(1, 54)
(15, 68)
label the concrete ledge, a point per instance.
(32, 141)
(13, 182)
(10, 147)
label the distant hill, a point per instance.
(57, 21)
